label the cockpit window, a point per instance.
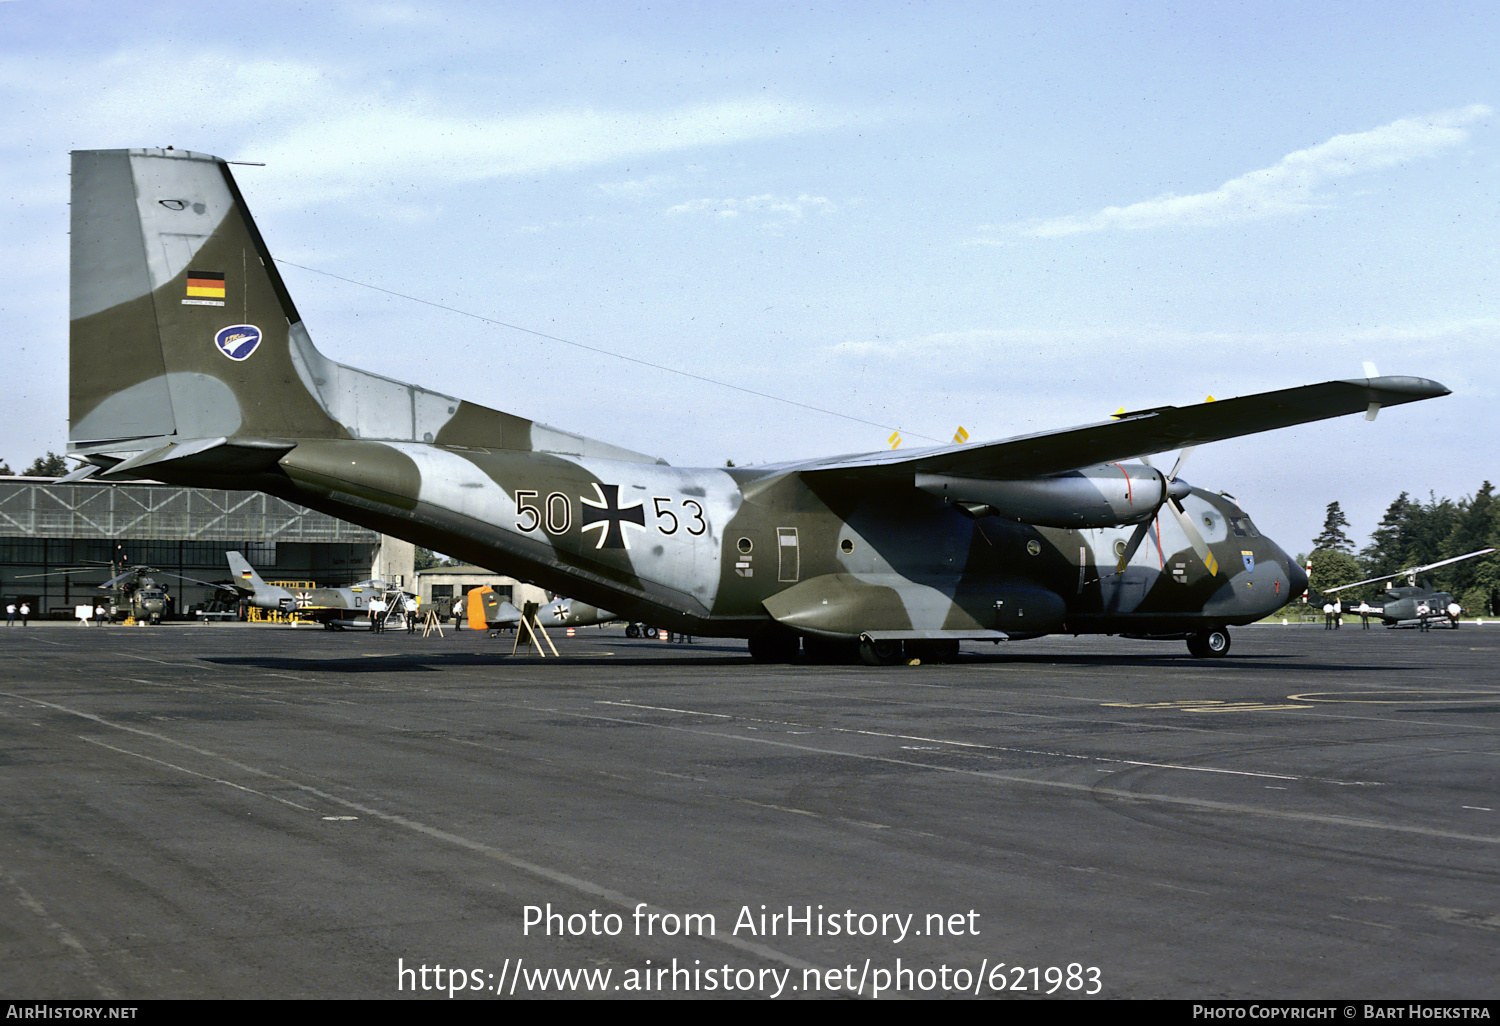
(1243, 528)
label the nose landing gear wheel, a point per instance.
(1210, 643)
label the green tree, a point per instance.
(5, 469)
(1332, 568)
(1416, 533)
(1333, 536)
(427, 559)
(1477, 602)
(51, 465)
(1391, 542)
(1431, 528)
(1477, 527)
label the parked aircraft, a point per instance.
(487, 610)
(1400, 606)
(134, 595)
(334, 608)
(191, 364)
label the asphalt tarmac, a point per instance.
(243, 811)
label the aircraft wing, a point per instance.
(1131, 435)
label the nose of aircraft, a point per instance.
(1296, 577)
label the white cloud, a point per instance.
(792, 208)
(356, 143)
(1146, 366)
(342, 132)
(1289, 186)
(638, 188)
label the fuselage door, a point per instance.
(789, 559)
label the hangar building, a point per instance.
(46, 527)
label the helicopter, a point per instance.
(1401, 605)
(135, 595)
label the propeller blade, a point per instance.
(194, 580)
(1175, 491)
(1190, 529)
(1181, 459)
(1136, 537)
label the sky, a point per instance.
(1006, 216)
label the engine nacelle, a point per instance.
(1105, 496)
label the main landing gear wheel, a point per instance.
(774, 645)
(879, 653)
(944, 651)
(829, 651)
(1210, 643)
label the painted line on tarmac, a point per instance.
(558, 877)
(87, 964)
(1089, 790)
(1011, 750)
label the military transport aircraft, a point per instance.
(1400, 606)
(334, 608)
(191, 365)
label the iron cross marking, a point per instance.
(607, 517)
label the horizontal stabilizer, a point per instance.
(170, 451)
(79, 474)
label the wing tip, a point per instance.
(1405, 388)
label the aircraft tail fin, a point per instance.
(189, 356)
(182, 332)
(245, 577)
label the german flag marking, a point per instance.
(205, 284)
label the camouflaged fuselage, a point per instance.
(705, 550)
